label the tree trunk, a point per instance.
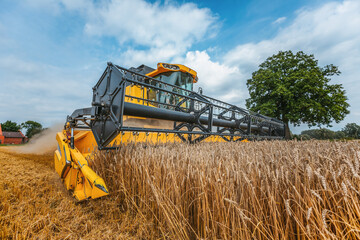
(287, 130)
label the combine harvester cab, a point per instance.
(148, 105)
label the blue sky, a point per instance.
(53, 51)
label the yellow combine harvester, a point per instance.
(148, 105)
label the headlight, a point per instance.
(171, 66)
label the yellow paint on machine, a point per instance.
(73, 168)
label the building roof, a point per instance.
(13, 134)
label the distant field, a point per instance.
(2, 145)
(256, 190)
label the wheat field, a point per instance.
(255, 190)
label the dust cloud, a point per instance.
(42, 143)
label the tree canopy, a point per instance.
(293, 88)
(322, 134)
(32, 128)
(10, 126)
(352, 130)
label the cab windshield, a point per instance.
(180, 79)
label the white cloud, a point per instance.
(134, 57)
(216, 79)
(162, 30)
(279, 20)
(151, 24)
(331, 32)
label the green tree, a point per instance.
(32, 128)
(305, 137)
(340, 135)
(352, 130)
(293, 88)
(10, 126)
(321, 133)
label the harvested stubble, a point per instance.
(34, 204)
(257, 190)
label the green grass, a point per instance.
(9, 145)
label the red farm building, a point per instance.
(12, 137)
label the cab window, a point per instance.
(180, 79)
